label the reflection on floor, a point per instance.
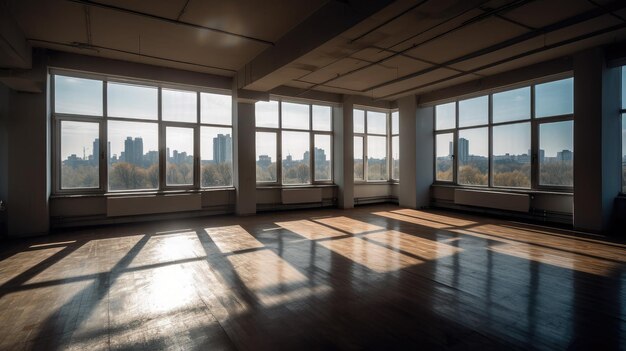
(377, 277)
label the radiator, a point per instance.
(139, 205)
(492, 199)
(301, 196)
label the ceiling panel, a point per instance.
(339, 67)
(146, 36)
(54, 20)
(471, 38)
(413, 82)
(169, 9)
(580, 29)
(268, 19)
(539, 14)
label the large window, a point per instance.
(299, 136)
(500, 140)
(623, 116)
(395, 145)
(129, 136)
(373, 145)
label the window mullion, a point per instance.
(162, 142)
(104, 154)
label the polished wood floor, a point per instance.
(378, 277)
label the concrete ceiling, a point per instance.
(380, 49)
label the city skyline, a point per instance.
(135, 148)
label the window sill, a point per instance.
(140, 193)
(303, 186)
(505, 190)
(376, 182)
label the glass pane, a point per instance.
(624, 153)
(511, 105)
(133, 150)
(216, 152)
(266, 114)
(323, 157)
(511, 155)
(376, 122)
(395, 122)
(554, 98)
(623, 87)
(266, 157)
(216, 109)
(80, 150)
(358, 158)
(395, 157)
(295, 116)
(445, 116)
(179, 106)
(321, 118)
(179, 150)
(132, 101)
(296, 156)
(473, 112)
(77, 96)
(473, 151)
(556, 153)
(444, 152)
(376, 157)
(358, 117)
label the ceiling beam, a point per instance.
(15, 52)
(169, 20)
(329, 21)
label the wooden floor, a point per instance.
(377, 277)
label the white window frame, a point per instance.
(103, 188)
(535, 123)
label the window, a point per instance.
(395, 145)
(623, 116)
(371, 145)
(556, 158)
(133, 155)
(510, 144)
(444, 151)
(216, 142)
(297, 134)
(472, 155)
(80, 152)
(121, 147)
(179, 155)
(511, 155)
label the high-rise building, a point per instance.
(264, 161)
(463, 150)
(129, 153)
(222, 148)
(95, 151)
(138, 151)
(565, 155)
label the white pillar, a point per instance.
(343, 152)
(407, 108)
(597, 144)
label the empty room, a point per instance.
(312, 174)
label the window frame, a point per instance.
(535, 124)
(278, 131)
(391, 136)
(364, 136)
(103, 188)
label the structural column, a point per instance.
(596, 140)
(407, 109)
(424, 154)
(343, 153)
(244, 168)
